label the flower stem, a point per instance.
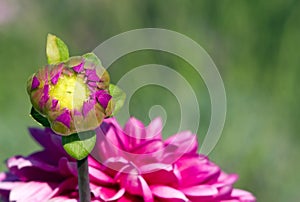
(83, 180)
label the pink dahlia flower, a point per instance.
(130, 164)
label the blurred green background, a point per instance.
(255, 44)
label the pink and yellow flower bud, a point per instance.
(72, 95)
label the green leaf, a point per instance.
(118, 97)
(39, 118)
(92, 58)
(79, 145)
(56, 50)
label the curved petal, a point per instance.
(114, 166)
(67, 168)
(105, 147)
(135, 131)
(200, 191)
(31, 169)
(242, 196)
(185, 142)
(128, 178)
(31, 191)
(99, 177)
(197, 170)
(107, 193)
(112, 123)
(93, 162)
(224, 192)
(51, 142)
(65, 186)
(7, 186)
(134, 183)
(225, 180)
(149, 147)
(166, 192)
(161, 174)
(147, 194)
(154, 129)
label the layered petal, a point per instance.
(130, 164)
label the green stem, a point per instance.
(83, 180)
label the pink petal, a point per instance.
(54, 104)
(78, 68)
(62, 199)
(7, 182)
(87, 107)
(92, 75)
(242, 195)
(46, 138)
(136, 132)
(9, 185)
(52, 144)
(148, 152)
(3, 176)
(154, 129)
(200, 191)
(159, 173)
(99, 177)
(181, 144)
(185, 141)
(77, 112)
(55, 78)
(112, 123)
(55, 73)
(65, 118)
(134, 183)
(149, 147)
(35, 83)
(66, 167)
(129, 180)
(225, 180)
(103, 98)
(196, 170)
(69, 184)
(93, 162)
(224, 192)
(147, 194)
(45, 96)
(115, 165)
(114, 138)
(31, 191)
(166, 192)
(108, 194)
(106, 147)
(22, 162)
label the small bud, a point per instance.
(72, 95)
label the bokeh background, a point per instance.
(255, 45)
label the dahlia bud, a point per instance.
(73, 95)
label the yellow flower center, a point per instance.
(70, 91)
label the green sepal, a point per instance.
(56, 50)
(39, 118)
(79, 145)
(118, 97)
(93, 58)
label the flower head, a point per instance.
(72, 95)
(130, 164)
